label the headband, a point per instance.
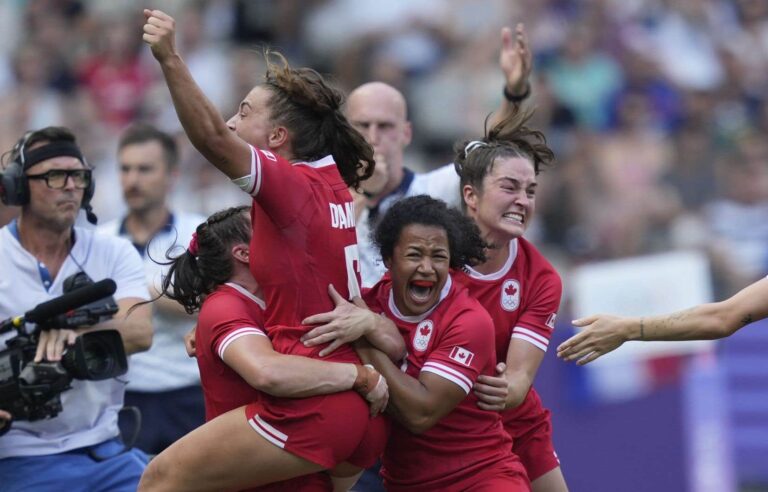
(473, 145)
(54, 149)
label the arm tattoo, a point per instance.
(746, 320)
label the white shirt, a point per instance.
(442, 183)
(165, 366)
(89, 414)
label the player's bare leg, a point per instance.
(223, 454)
(344, 476)
(552, 481)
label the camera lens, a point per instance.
(96, 355)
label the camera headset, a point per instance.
(14, 185)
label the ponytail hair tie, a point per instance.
(192, 248)
(473, 145)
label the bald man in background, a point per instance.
(379, 112)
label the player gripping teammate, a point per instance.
(441, 439)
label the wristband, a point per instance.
(517, 99)
(366, 379)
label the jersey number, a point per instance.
(352, 259)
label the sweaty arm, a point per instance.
(604, 333)
(202, 122)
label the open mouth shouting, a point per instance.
(421, 291)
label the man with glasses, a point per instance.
(78, 449)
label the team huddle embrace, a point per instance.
(323, 350)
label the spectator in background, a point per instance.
(735, 221)
(80, 448)
(584, 78)
(163, 383)
(115, 78)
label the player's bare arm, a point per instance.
(516, 62)
(418, 404)
(604, 333)
(512, 383)
(290, 376)
(350, 321)
(202, 122)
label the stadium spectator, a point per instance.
(80, 448)
(302, 213)
(163, 383)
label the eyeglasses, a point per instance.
(57, 178)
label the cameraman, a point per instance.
(79, 449)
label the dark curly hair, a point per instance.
(191, 277)
(508, 138)
(307, 106)
(466, 247)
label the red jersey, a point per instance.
(304, 239)
(227, 314)
(454, 341)
(522, 298)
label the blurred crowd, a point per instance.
(657, 109)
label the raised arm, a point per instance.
(604, 333)
(202, 122)
(516, 62)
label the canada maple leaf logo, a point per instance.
(424, 330)
(511, 290)
(510, 295)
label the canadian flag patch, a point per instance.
(462, 355)
(551, 320)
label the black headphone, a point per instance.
(14, 185)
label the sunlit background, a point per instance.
(657, 111)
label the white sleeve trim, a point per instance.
(531, 337)
(251, 183)
(240, 332)
(450, 374)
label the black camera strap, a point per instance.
(128, 441)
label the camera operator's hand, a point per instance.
(52, 343)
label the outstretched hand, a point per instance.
(346, 323)
(602, 334)
(159, 33)
(515, 59)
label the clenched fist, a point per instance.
(159, 32)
